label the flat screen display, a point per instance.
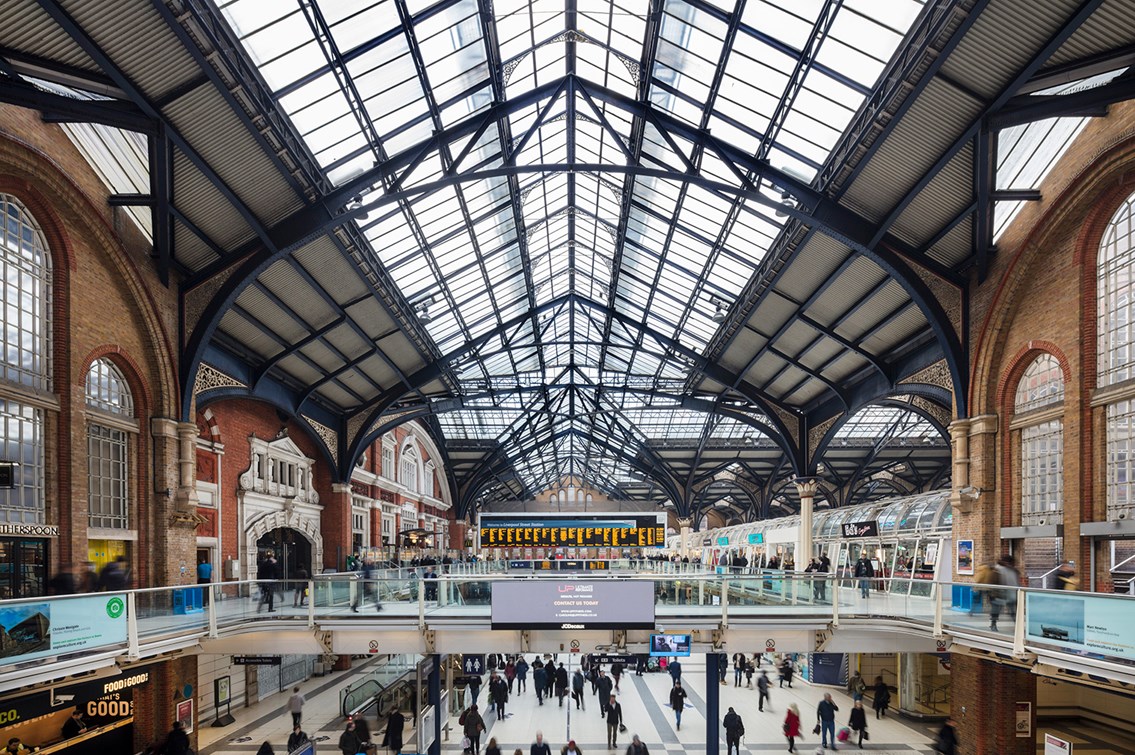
(599, 530)
(572, 604)
(669, 644)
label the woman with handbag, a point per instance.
(792, 726)
(858, 722)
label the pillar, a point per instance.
(984, 701)
(712, 703)
(187, 465)
(433, 690)
(684, 536)
(335, 524)
(806, 488)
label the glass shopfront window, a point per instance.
(23, 568)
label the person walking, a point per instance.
(856, 686)
(570, 748)
(561, 684)
(858, 721)
(825, 716)
(540, 747)
(947, 742)
(577, 682)
(115, 576)
(786, 672)
(792, 726)
(738, 668)
(675, 669)
(475, 687)
(822, 577)
(617, 672)
(472, 725)
(204, 571)
(1006, 575)
(864, 571)
(265, 748)
(392, 737)
(266, 574)
(762, 691)
(295, 706)
(177, 741)
(1065, 577)
(521, 675)
(540, 679)
(678, 702)
(350, 743)
(637, 747)
(299, 588)
(882, 698)
(613, 718)
(498, 693)
(492, 748)
(297, 739)
(510, 675)
(734, 730)
(605, 687)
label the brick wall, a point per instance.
(106, 302)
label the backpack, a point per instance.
(461, 719)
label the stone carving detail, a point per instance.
(816, 434)
(279, 468)
(197, 299)
(209, 378)
(307, 526)
(355, 426)
(940, 413)
(936, 374)
(790, 420)
(389, 417)
(329, 437)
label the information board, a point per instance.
(1097, 626)
(598, 531)
(61, 626)
(573, 604)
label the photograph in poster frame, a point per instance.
(965, 557)
(1092, 626)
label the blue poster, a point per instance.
(60, 626)
(1097, 626)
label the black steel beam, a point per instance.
(60, 109)
(1086, 103)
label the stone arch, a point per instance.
(275, 520)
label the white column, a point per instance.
(959, 452)
(806, 488)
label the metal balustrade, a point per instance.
(1032, 620)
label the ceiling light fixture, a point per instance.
(356, 206)
(719, 313)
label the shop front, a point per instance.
(24, 556)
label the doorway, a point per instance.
(291, 548)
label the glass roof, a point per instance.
(873, 423)
(573, 243)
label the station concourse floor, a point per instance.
(645, 711)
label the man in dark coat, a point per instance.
(177, 742)
(613, 717)
(577, 681)
(561, 684)
(734, 730)
(678, 702)
(498, 693)
(762, 691)
(864, 570)
(947, 743)
(605, 686)
(540, 680)
(392, 737)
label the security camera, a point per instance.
(970, 492)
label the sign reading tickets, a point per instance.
(1095, 626)
(595, 531)
(61, 626)
(573, 604)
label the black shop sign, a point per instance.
(869, 528)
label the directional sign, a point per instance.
(256, 660)
(473, 664)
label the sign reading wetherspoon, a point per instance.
(556, 531)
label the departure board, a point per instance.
(616, 531)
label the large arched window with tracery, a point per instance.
(25, 358)
(110, 425)
(1115, 271)
(1038, 413)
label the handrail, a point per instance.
(1046, 575)
(1115, 568)
(153, 621)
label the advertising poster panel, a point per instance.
(574, 604)
(61, 626)
(1090, 625)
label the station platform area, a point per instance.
(645, 710)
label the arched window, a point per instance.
(1038, 415)
(25, 358)
(408, 469)
(1115, 274)
(109, 425)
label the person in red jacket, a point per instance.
(792, 726)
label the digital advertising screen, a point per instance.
(669, 644)
(572, 604)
